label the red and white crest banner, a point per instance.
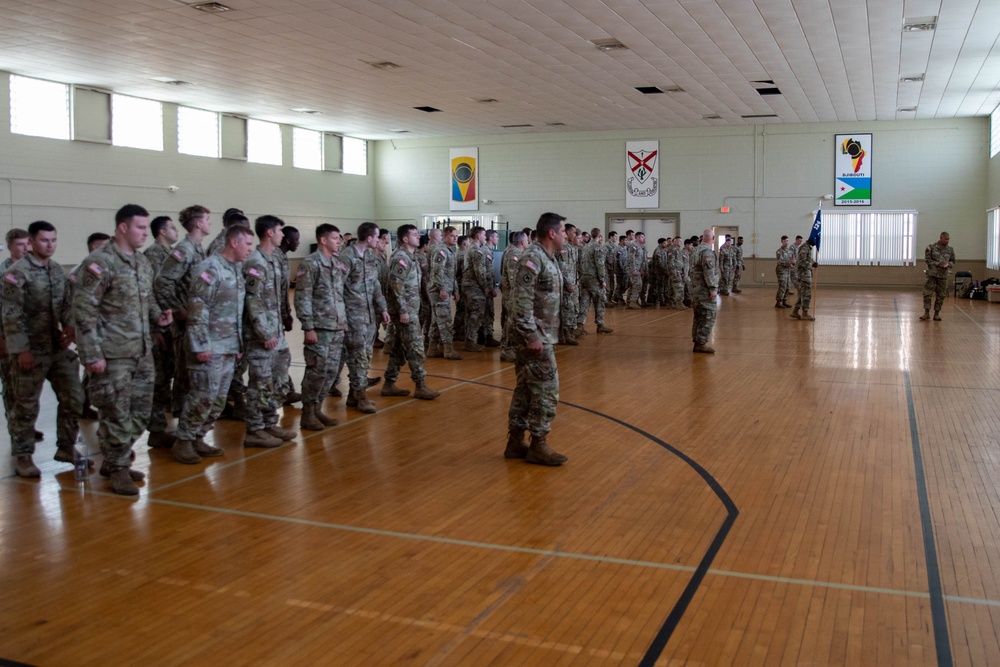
(642, 174)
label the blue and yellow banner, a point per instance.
(464, 179)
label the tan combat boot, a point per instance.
(25, 467)
(434, 351)
(491, 342)
(390, 389)
(539, 452)
(121, 482)
(507, 354)
(580, 332)
(704, 348)
(795, 313)
(784, 304)
(777, 303)
(134, 475)
(260, 439)
(937, 316)
(364, 404)
(324, 419)
(204, 449)
(64, 454)
(806, 315)
(516, 449)
(281, 433)
(425, 393)
(183, 451)
(926, 315)
(308, 420)
(160, 440)
(451, 353)
(565, 338)
(473, 346)
(604, 330)
(352, 398)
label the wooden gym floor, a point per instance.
(815, 493)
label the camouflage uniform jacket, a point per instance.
(113, 305)
(442, 269)
(784, 257)
(936, 253)
(363, 296)
(157, 254)
(686, 254)
(218, 243)
(676, 259)
(592, 263)
(611, 254)
(4, 265)
(536, 296)
(35, 304)
(636, 260)
(569, 264)
(404, 285)
(727, 256)
(319, 293)
(804, 261)
(704, 272)
(622, 254)
(475, 272)
(262, 315)
(738, 259)
(425, 269)
(172, 282)
(286, 279)
(511, 260)
(383, 272)
(215, 307)
(660, 259)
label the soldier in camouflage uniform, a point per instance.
(516, 244)
(738, 265)
(441, 289)
(622, 279)
(36, 321)
(804, 265)
(489, 312)
(476, 283)
(215, 340)
(237, 389)
(115, 314)
(458, 324)
(676, 279)
(636, 267)
(425, 274)
(727, 257)
(165, 235)
(232, 216)
(534, 329)
(171, 286)
(658, 272)
(17, 244)
(264, 338)
(403, 303)
(290, 239)
(319, 305)
(704, 287)
(689, 246)
(611, 262)
(366, 309)
(568, 259)
(785, 258)
(381, 256)
(940, 258)
(593, 283)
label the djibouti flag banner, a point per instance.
(642, 174)
(852, 185)
(464, 179)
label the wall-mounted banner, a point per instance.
(464, 179)
(642, 174)
(852, 170)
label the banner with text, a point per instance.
(642, 174)
(464, 179)
(852, 184)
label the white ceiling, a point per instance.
(833, 60)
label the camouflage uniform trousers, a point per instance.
(440, 329)
(489, 314)
(591, 292)
(937, 288)
(676, 296)
(725, 279)
(569, 309)
(425, 314)
(805, 288)
(533, 405)
(267, 369)
(475, 311)
(323, 364)
(622, 282)
(8, 385)
(123, 396)
(407, 347)
(784, 282)
(737, 275)
(635, 288)
(62, 370)
(163, 362)
(458, 326)
(209, 385)
(182, 386)
(705, 309)
(358, 352)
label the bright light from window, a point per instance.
(307, 149)
(136, 123)
(995, 132)
(263, 142)
(355, 156)
(993, 240)
(197, 132)
(39, 108)
(875, 238)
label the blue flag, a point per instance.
(816, 232)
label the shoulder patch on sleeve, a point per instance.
(531, 265)
(443, 253)
(72, 277)
(301, 272)
(95, 268)
(11, 278)
(207, 277)
(402, 262)
(253, 272)
(178, 255)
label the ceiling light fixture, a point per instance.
(760, 115)
(311, 112)
(385, 65)
(487, 100)
(715, 117)
(907, 110)
(609, 45)
(912, 79)
(211, 7)
(556, 124)
(920, 24)
(507, 127)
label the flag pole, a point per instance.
(815, 236)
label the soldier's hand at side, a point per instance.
(385, 317)
(570, 288)
(26, 360)
(443, 295)
(815, 264)
(167, 318)
(159, 340)
(204, 357)
(271, 343)
(98, 366)
(404, 318)
(311, 337)
(458, 297)
(287, 322)
(713, 294)
(535, 346)
(182, 315)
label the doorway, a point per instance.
(654, 226)
(722, 233)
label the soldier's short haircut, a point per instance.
(384, 232)
(266, 223)
(15, 234)
(739, 238)
(424, 240)
(227, 217)
(798, 238)
(434, 233)
(492, 232)
(97, 237)
(325, 230)
(570, 226)
(784, 237)
(461, 240)
(629, 231)
(642, 234)
(475, 231)
(688, 242)
(595, 232)
(158, 224)
(533, 234)
(236, 231)
(288, 230)
(659, 241)
(448, 230)
(237, 219)
(516, 238)
(129, 211)
(548, 222)
(612, 235)
(190, 215)
(40, 226)
(367, 230)
(403, 231)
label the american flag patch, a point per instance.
(442, 253)
(301, 272)
(178, 255)
(402, 262)
(531, 265)
(95, 268)
(254, 272)
(207, 277)
(11, 278)
(516, 258)
(72, 277)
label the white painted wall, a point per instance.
(78, 186)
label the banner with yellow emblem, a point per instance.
(464, 179)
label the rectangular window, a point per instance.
(993, 239)
(197, 132)
(874, 238)
(995, 132)
(136, 123)
(263, 142)
(307, 149)
(355, 156)
(39, 108)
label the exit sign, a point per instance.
(724, 209)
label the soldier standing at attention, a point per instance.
(611, 261)
(458, 324)
(18, 244)
(36, 320)
(381, 248)
(366, 309)
(403, 303)
(319, 305)
(704, 287)
(593, 283)
(535, 307)
(232, 216)
(489, 311)
(940, 258)
(215, 341)
(267, 351)
(727, 258)
(738, 265)
(516, 245)
(677, 280)
(804, 265)
(636, 269)
(475, 285)
(785, 257)
(425, 273)
(568, 258)
(164, 233)
(290, 239)
(171, 286)
(441, 289)
(115, 313)
(621, 274)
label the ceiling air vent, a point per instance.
(211, 7)
(385, 66)
(920, 24)
(912, 79)
(426, 109)
(507, 127)
(649, 90)
(760, 115)
(609, 45)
